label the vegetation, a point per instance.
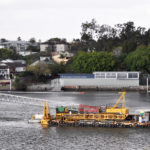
(32, 58)
(139, 60)
(58, 68)
(39, 70)
(8, 54)
(106, 38)
(120, 48)
(20, 84)
(95, 61)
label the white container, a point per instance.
(146, 117)
(38, 116)
(140, 119)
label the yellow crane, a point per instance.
(46, 114)
(120, 110)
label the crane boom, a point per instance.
(121, 97)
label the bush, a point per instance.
(20, 85)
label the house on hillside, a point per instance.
(4, 71)
(54, 47)
(15, 45)
(15, 66)
(23, 48)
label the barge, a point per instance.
(96, 116)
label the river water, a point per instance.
(17, 134)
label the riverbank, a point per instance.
(96, 88)
(48, 88)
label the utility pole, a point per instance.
(10, 84)
(147, 85)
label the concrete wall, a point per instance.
(100, 82)
(39, 87)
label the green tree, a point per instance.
(39, 69)
(95, 61)
(139, 60)
(57, 68)
(20, 84)
(8, 54)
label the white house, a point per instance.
(54, 47)
(4, 72)
(62, 47)
(43, 47)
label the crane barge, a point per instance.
(95, 116)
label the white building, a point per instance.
(26, 53)
(43, 47)
(101, 80)
(4, 72)
(54, 47)
(45, 58)
(15, 45)
(62, 47)
(15, 65)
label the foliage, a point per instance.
(20, 84)
(56, 40)
(95, 61)
(139, 60)
(39, 69)
(25, 74)
(105, 38)
(33, 48)
(32, 58)
(57, 68)
(32, 40)
(8, 54)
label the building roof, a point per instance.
(15, 64)
(3, 66)
(14, 42)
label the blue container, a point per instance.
(79, 76)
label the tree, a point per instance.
(57, 68)
(19, 38)
(88, 34)
(32, 40)
(39, 69)
(95, 61)
(20, 84)
(8, 54)
(139, 60)
(56, 40)
(33, 48)
(3, 40)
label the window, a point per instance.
(99, 75)
(122, 75)
(110, 75)
(132, 75)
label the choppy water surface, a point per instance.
(17, 134)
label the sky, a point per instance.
(45, 19)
